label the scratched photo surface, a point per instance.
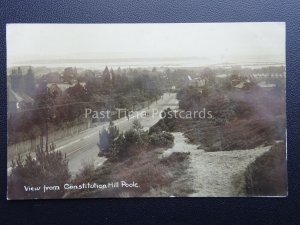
(146, 110)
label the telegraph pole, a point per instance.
(46, 135)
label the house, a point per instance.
(19, 89)
(53, 77)
(61, 87)
(54, 89)
(17, 101)
(13, 101)
(70, 75)
(243, 85)
(196, 82)
(266, 86)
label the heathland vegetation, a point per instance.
(267, 176)
(132, 155)
(245, 115)
(29, 177)
(118, 146)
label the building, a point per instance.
(17, 101)
(20, 90)
(196, 82)
(54, 89)
(53, 77)
(70, 75)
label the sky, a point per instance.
(215, 41)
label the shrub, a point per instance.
(162, 139)
(167, 123)
(237, 135)
(86, 172)
(158, 127)
(131, 142)
(48, 168)
(127, 144)
(267, 175)
(175, 157)
(136, 125)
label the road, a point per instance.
(82, 148)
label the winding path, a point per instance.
(215, 174)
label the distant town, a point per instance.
(23, 83)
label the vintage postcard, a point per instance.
(146, 110)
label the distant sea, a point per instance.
(146, 63)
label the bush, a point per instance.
(49, 168)
(167, 123)
(175, 158)
(121, 146)
(85, 173)
(162, 139)
(158, 127)
(136, 125)
(267, 175)
(237, 135)
(132, 141)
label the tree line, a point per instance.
(56, 109)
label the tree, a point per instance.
(45, 102)
(69, 74)
(17, 80)
(106, 75)
(136, 125)
(107, 137)
(209, 75)
(113, 77)
(107, 81)
(78, 93)
(103, 143)
(29, 84)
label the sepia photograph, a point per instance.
(146, 110)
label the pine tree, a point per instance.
(47, 168)
(103, 143)
(29, 83)
(107, 83)
(107, 138)
(136, 125)
(113, 77)
(113, 132)
(106, 75)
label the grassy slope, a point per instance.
(267, 175)
(146, 168)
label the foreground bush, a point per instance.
(167, 123)
(267, 175)
(48, 168)
(117, 146)
(162, 139)
(146, 168)
(237, 135)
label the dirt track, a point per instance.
(215, 174)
